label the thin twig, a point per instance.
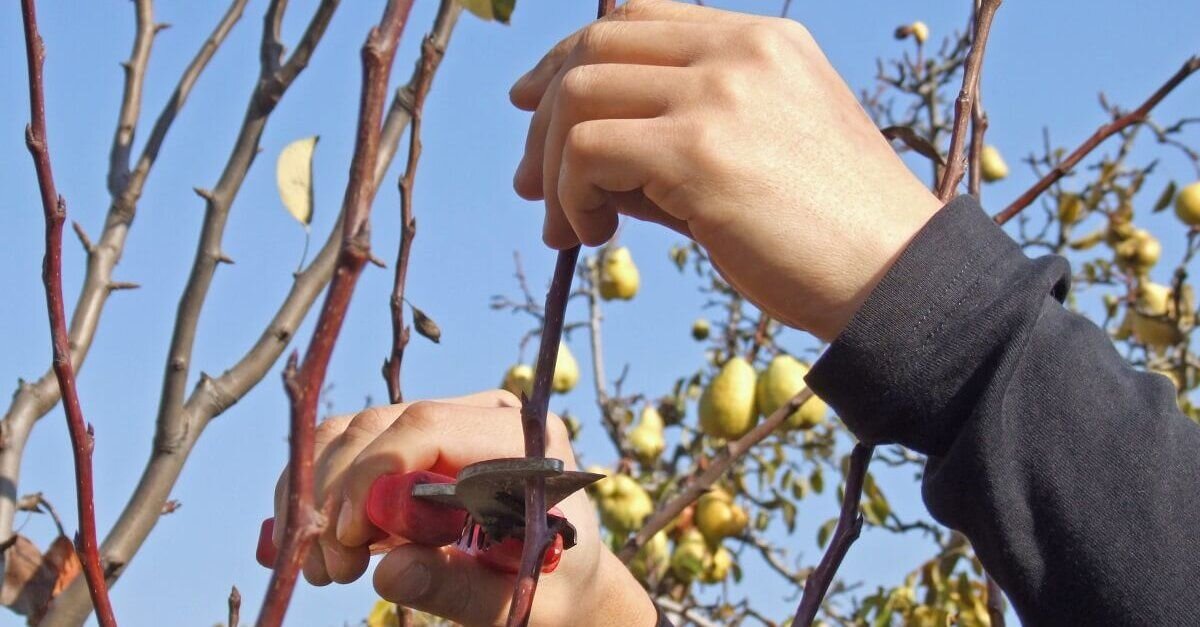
(54, 209)
(304, 381)
(716, 468)
(1064, 167)
(533, 426)
(431, 56)
(963, 106)
(235, 607)
(849, 525)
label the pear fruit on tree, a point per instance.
(991, 165)
(783, 379)
(624, 503)
(619, 278)
(652, 561)
(717, 517)
(1187, 204)
(646, 438)
(688, 559)
(717, 566)
(727, 405)
(518, 380)
(566, 370)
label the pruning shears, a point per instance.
(480, 512)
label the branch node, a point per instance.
(84, 240)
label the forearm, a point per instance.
(1074, 475)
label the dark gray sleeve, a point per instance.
(1075, 476)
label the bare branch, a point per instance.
(963, 106)
(54, 209)
(131, 99)
(849, 525)
(1137, 116)
(235, 607)
(431, 57)
(716, 468)
(304, 381)
(533, 425)
(31, 402)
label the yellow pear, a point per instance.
(566, 370)
(1150, 321)
(653, 559)
(717, 566)
(604, 487)
(701, 329)
(619, 278)
(1139, 252)
(920, 31)
(646, 438)
(727, 404)
(627, 506)
(1187, 204)
(687, 561)
(518, 380)
(1070, 208)
(783, 379)
(718, 517)
(992, 165)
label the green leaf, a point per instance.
(499, 10)
(1164, 200)
(817, 480)
(789, 514)
(824, 533)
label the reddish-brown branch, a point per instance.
(235, 607)
(716, 468)
(964, 105)
(54, 209)
(1137, 116)
(760, 337)
(849, 525)
(304, 381)
(533, 425)
(431, 56)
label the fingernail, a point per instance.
(343, 521)
(414, 582)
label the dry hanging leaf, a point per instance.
(384, 614)
(499, 10)
(426, 326)
(913, 141)
(32, 580)
(293, 175)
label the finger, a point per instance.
(346, 564)
(439, 437)
(445, 582)
(314, 569)
(619, 43)
(604, 156)
(670, 18)
(596, 92)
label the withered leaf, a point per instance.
(32, 579)
(914, 142)
(426, 326)
(1164, 200)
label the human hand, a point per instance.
(733, 130)
(443, 436)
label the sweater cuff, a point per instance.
(895, 373)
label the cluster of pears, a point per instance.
(735, 398)
(646, 437)
(519, 378)
(619, 277)
(1154, 319)
(699, 553)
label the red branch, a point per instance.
(55, 210)
(1136, 116)
(431, 56)
(964, 105)
(533, 424)
(849, 525)
(304, 381)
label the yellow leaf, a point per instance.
(499, 10)
(293, 175)
(383, 615)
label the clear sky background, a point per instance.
(1046, 63)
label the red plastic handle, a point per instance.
(392, 508)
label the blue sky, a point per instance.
(1046, 62)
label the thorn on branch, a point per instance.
(84, 240)
(207, 195)
(222, 257)
(376, 261)
(122, 285)
(161, 26)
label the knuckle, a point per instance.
(726, 87)
(576, 83)
(368, 423)
(507, 399)
(420, 415)
(765, 42)
(593, 39)
(330, 428)
(580, 143)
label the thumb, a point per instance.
(446, 582)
